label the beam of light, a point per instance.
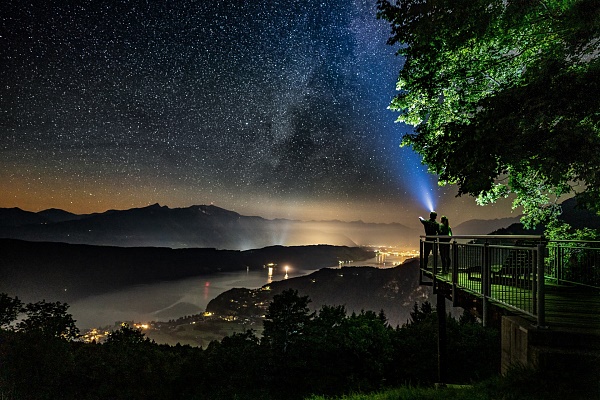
(424, 192)
(418, 181)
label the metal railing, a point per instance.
(508, 270)
(574, 262)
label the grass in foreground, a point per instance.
(518, 384)
(415, 393)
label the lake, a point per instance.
(163, 301)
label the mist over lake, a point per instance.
(103, 285)
(166, 300)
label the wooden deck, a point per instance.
(561, 332)
(570, 308)
(573, 308)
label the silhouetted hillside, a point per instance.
(483, 226)
(395, 290)
(65, 272)
(518, 229)
(13, 217)
(57, 215)
(193, 227)
(578, 218)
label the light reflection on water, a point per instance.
(381, 261)
(167, 300)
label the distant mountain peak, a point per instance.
(195, 226)
(484, 227)
(154, 206)
(15, 216)
(58, 215)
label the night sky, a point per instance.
(270, 108)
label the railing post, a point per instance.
(421, 251)
(485, 282)
(535, 277)
(442, 354)
(541, 286)
(435, 256)
(454, 273)
(559, 263)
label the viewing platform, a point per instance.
(543, 295)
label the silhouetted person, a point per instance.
(445, 230)
(432, 228)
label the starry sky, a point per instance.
(275, 108)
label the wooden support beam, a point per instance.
(442, 353)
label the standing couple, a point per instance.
(433, 228)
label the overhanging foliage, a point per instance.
(503, 96)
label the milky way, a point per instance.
(277, 108)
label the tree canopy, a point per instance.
(503, 96)
(49, 318)
(286, 318)
(9, 310)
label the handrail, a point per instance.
(512, 275)
(511, 237)
(511, 270)
(574, 241)
(574, 262)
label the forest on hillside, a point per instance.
(300, 353)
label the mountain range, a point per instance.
(204, 226)
(483, 226)
(208, 226)
(577, 217)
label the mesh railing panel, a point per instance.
(505, 274)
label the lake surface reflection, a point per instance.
(167, 300)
